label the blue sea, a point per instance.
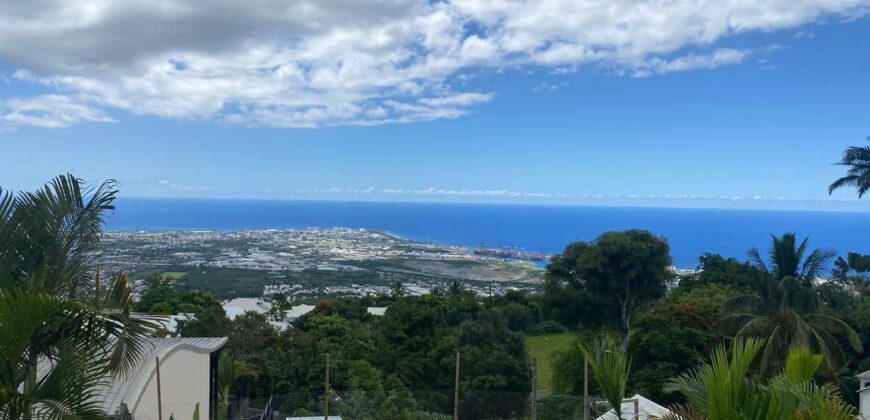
(547, 228)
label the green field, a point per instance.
(173, 275)
(540, 347)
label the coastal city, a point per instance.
(315, 262)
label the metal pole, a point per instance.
(534, 389)
(326, 390)
(585, 389)
(456, 390)
(159, 398)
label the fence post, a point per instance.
(456, 390)
(585, 389)
(159, 399)
(326, 389)
(534, 389)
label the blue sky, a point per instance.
(750, 117)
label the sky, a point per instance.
(690, 103)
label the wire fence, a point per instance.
(414, 405)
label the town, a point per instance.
(314, 262)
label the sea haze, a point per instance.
(546, 228)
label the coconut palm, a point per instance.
(610, 368)
(720, 389)
(784, 309)
(53, 310)
(858, 175)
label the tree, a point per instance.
(53, 306)
(212, 322)
(785, 310)
(720, 390)
(620, 271)
(858, 174)
(788, 259)
(851, 272)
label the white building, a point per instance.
(188, 372)
(239, 306)
(637, 407)
(863, 395)
(297, 312)
(376, 310)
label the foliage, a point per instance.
(617, 274)
(212, 322)
(857, 159)
(609, 367)
(715, 269)
(720, 389)
(160, 297)
(53, 306)
(786, 310)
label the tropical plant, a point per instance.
(53, 310)
(610, 368)
(720, 389)
(785, 309)
(851, 272)
(858, 174)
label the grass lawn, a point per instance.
(173, 275)
(540, 347)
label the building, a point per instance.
(296, 312)
(376, 310)
(863, 395)
(188, 374)
(638, 407)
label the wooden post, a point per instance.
(456, 390)
(534, 389)
(326, 389)
(585, 389)
(159, 397)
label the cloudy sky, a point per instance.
(662, 102)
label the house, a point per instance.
(638, 407)
(239, 306)
(376, 310)
(297, 312)
(188, 374)
(863, 395)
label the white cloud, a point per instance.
(182, 187)
(50, 111)
(311, 63)
(719, 57)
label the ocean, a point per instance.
(546, 228)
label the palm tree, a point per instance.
(720, 389)
(53, 309)
(610, 368)
(784, 309)
(858, 175)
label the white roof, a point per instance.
(863, 375)
(377, 310)
(647, 409)
(239, 306)
(297, 311)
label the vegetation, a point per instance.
(53, 306)
(785, 311)
(612, 278)
(786, 329)
(720, 389)
(857, 159)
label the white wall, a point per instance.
(184, 380)
(864, 402)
